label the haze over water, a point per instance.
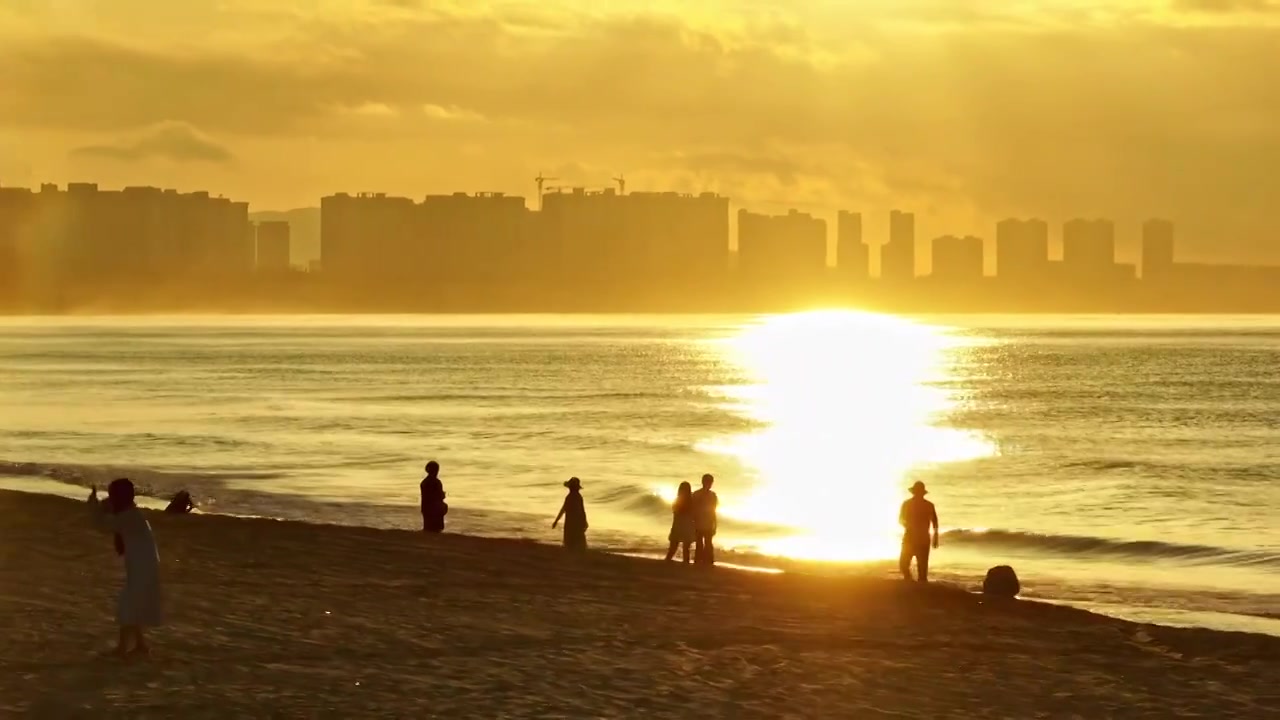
(1126, 463)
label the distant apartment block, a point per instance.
(1022, 250)
(369, 236)
(852, 254)
(473, 239)
(784, 247)
(273, 246)
(898, 256)
(17, 208)
(957, 259)
(86, 236)
(602, 234)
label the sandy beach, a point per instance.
(282, 619)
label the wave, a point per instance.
(523, 396)
(1260, 471)
(635, 500)
(1086, 546)
(149, 481)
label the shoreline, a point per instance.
(277, 616)
(1057, 591)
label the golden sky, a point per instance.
(963, 110)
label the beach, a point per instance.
(289, 619)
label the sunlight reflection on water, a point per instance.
(849, 403)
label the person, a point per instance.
(574, 513)
(682, 530)
(139, 603)
(917, 517)
(434, 507)
(704, 503)
(181, 504)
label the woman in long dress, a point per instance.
(574, 512)
(682, 529)
(139, 604)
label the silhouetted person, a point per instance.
(434, 507)
(139, 604)
(917, 517)
(574, 513)
(682, 529)
(704, 521)
(181, 503)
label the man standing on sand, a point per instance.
(433, 505)
(917, 517)
(704, 522)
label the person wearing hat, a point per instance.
(574, 512)
(917, 517)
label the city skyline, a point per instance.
(583, 248)
(845, 230)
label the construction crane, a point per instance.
(622, 184)
(541, 180)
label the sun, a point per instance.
(848, 404)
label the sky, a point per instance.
(965, 111)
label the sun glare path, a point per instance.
(849, 404)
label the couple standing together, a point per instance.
(693, 522)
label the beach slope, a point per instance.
(284, 619)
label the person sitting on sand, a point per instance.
(917, 516)
(682, 529)
(433, 505)
(574, 512)
(181, 503)
(139, 603)
(704, 521)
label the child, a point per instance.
(574, 513)
(139, 603)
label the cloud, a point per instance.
(1227, 6)
(450, 113)
(174, 141)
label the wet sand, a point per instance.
(283, 619)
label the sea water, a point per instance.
(1127, 464)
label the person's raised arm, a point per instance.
(936, 531)
(101, 516)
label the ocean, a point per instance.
(1126, 464)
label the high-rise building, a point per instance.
(608, 237)
(1157, 248)
(852, 256)
(273, 246)
(1022, 250)
(789, 248)
(957, 259)
(369, 236)
(469, 239)
(680, 236)
(85, 238)
(17, 213)
(898, 256)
